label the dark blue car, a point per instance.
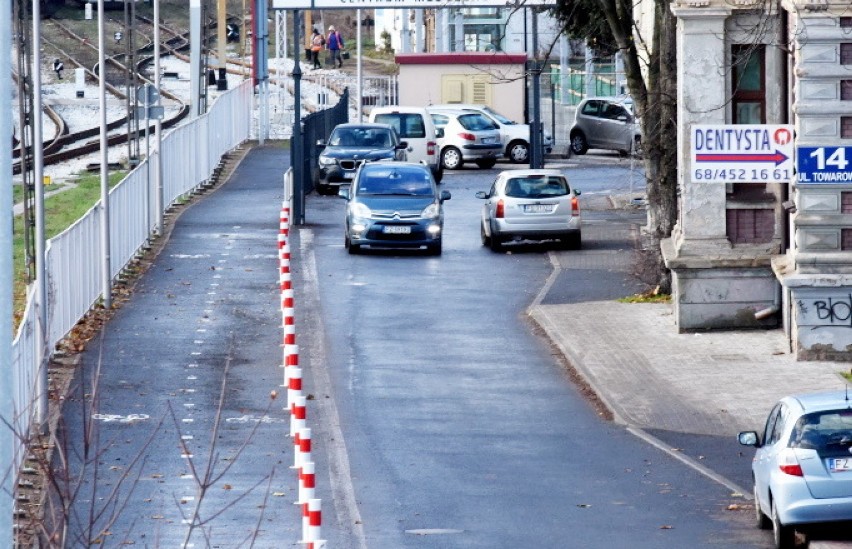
(394, 205)
(351, 145)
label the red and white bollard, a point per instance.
(307, 487)
(294, 385)
(287, 299)
(302, 450)
(289, 315)
(313, 532)
(297, 415)
(285, 281)
(284, 253)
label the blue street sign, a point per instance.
(823, 165)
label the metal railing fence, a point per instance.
(318, 126)
(190, 153)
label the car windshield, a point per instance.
(395, 180)
(824, 431)
(499, 117)
(476, 122)
(407, 125)
(537, 186)
(361, 137)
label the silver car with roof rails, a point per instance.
(802, 467)
(530, 205)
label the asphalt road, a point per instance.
(454, 424)
(440, 418)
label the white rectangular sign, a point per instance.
(370, 4)
(742, 153)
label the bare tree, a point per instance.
(651, 72)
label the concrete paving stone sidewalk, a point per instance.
(650, 376)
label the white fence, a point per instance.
(190, 153)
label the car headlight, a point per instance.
(431, 211)
(326, 161)
(361, 210)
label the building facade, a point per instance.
(767, 254)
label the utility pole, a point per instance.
(536, 160)
(296, 162)
(222, 82)
(131, 83)
(7, 436)
(25, 128)
(195, 57)
(106, 267)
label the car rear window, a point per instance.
(392, 180)
(827, 432)
(407, 125)
(476, 122)
(537, 187)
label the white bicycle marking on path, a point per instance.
(116, 418)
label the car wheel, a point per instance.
(573, 241)
(322, 189)
(519, 152)
(579, 145)
(761, 520)
(350, 247)
(486, 163)
(496, 243)
(451, 158)
(486, 240)
(783, 535)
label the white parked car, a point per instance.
(515, 137)
(414, 126)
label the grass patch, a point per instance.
(647, 297)
(847, 375)
(60, 212)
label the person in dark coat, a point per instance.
(317, 42)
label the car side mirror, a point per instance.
(445, 195)
(481, 194)
(403, 145)
(320, 142)
(439, 132)
(577, 192)
(343, 192)
(749, 438)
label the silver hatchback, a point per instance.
(802, 467)
(530, 205)
(606, 123)
(465, 136)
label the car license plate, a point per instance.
(396, 229)
(347, 175)
(838, 465)
(538, 208)
(489, 140)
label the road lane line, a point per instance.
(340, 477)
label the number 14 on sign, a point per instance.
(836, 160)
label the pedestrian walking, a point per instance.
(317, 42)
(58, 67)
(335, 46)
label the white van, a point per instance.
(515, 137)
(414, 125)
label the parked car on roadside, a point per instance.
(802, 467)
(530, 205)
(514, 136)
(465, 136)
(415, 126)
(394, 205)
(351, 145)
(606, 123)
